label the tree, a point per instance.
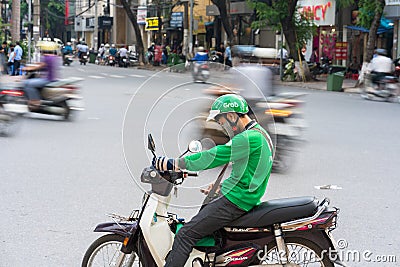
(283, 15)
(223, 7)
(133, 18)
(370, 17)
(15, 20)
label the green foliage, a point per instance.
(367, 10)
(23, 8)
(275, 14)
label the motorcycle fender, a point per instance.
(123, 229)
(322, 238)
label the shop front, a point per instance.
(322, 12)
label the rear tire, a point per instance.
(300, 251)
(105, 251)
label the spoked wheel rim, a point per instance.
(108, 253)
(297, 253)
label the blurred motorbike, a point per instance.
(12, 107)
(386, 89)
(60, 98)
(281, 116)
(84, 58)
(200, 71)
(110, 60)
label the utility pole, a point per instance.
(191, 27)
(30, 28)
(96, 26)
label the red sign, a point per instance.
(341, 50)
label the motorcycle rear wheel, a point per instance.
(300, 251)
(105, 251)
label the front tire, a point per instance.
(105, 251)
(300, 251)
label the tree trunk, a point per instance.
(15, 21)
(380, 4)
(289, 29)
(133, 19)
(225, 16)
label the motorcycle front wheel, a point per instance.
(300, 251)
(106, 250)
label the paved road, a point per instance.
(59, 179)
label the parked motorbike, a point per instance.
(84, 58)
(133, 58)
(265, 236)
(386, 89)
(60, 98)
(322, 67)
(200, 71)
(281, 116)
(12, 107)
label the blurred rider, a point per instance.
(380, 66)
(200, 57)
(113, 50)
(48, 69)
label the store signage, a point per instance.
(141, 15)
(341, 50)
(105, 22)
(322, 12)
(152, 24)
(176, 20)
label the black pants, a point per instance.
(17, 64)
(215, 215)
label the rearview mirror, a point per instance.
(195, 146)
(150, 143)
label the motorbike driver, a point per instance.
(380, 66)
(48, 70)
(200, 57)
(83, 49)
(113, 50)
(250, 150)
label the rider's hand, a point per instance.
(164, 164)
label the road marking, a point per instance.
(137, 76)
(116, 76)
(96, 77)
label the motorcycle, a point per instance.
(133, 58)
(60, 98)
(12, 107)
(110, 60)
(386, 89)
(281, 117)
(123, 62)
(67, 59)
(265, 236)
(200, 71)
(84, 58)
(322, 67)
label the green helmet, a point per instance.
(228, 103)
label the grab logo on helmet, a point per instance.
(231, 105)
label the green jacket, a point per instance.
(251, 159)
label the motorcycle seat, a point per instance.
(277, 211)
(63, 82)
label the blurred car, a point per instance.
(243, 51)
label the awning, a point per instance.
(386, 25)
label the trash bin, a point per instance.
(335, 81)
(92, 57)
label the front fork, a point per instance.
(280, 243)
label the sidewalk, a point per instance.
(321, 84)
